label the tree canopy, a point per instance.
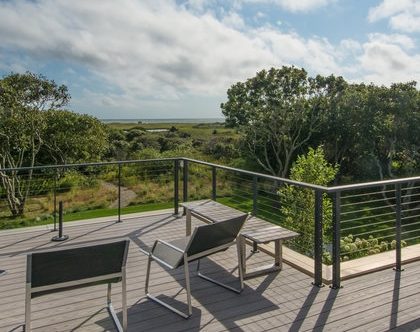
(278, 112)
(370, 131)
(35, 130)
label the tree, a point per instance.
(22, 99)
(372, 131)
(298, 204)
(72, 138)
(34, 130)
(278, 111)
(396, 121)
(346, 129)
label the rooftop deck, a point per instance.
(283, 301)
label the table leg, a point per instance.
(243, 253)
(254, 249)
(240, 263)
(278, 254)
(188, 222)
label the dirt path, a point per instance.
(127, 195)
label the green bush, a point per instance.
(298, 204)
(351, 247)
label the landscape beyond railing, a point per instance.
(335, 224)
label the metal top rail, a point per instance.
(372, 184)
(103, 163)
(260, 175)
(333, 189)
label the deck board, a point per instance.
(282, 301)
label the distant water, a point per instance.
(198, 120)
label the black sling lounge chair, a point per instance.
(58, 270)
(204, 241)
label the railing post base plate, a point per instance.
(335, 287)
(60, 238)
(317, 285)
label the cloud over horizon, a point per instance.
(157, 52)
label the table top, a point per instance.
(216, 212)
(212, 210)
(268, 234)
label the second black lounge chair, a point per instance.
(204, 241)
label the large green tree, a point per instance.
(34, 130)
(72, 138)
(278, 112)
(372, 131)
(23, 97)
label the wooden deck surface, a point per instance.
(283, 301)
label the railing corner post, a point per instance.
(336, 268)
(254, 195)
(398, 228)
(185, 181)
(318, 240)
(55, 198)
(119, 192)
(214, 183)
(176, 186)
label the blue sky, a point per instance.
(176, 59)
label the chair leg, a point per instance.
(187, 284)
(146, 286)
(233, 289)
(162, 303)
(124, 298)
(112, 311)
(240, 264)
(28, 308)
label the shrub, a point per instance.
(352, 248)
(298, 204)
(73, 179)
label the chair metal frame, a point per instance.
(79, 284)
(185, 261)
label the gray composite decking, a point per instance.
(283, 301)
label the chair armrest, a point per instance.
(168, 254)
(166, 244)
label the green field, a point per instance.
(196, 130)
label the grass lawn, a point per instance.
(81, 215)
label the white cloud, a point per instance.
(155, 53)
(234, 20)
(388, 8)
(385, 60)
(302, 5)
(259, 15)
(404, 41)
(403, 15)
(407, 21)
(154, 48)
(289, 5)
(294, 5)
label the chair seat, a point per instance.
(168, 254)
(204, 241)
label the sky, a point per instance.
(141, 59)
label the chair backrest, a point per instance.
(215, 235)
(76, 267)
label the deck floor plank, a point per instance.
(282, 301)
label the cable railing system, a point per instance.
(336, 224)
